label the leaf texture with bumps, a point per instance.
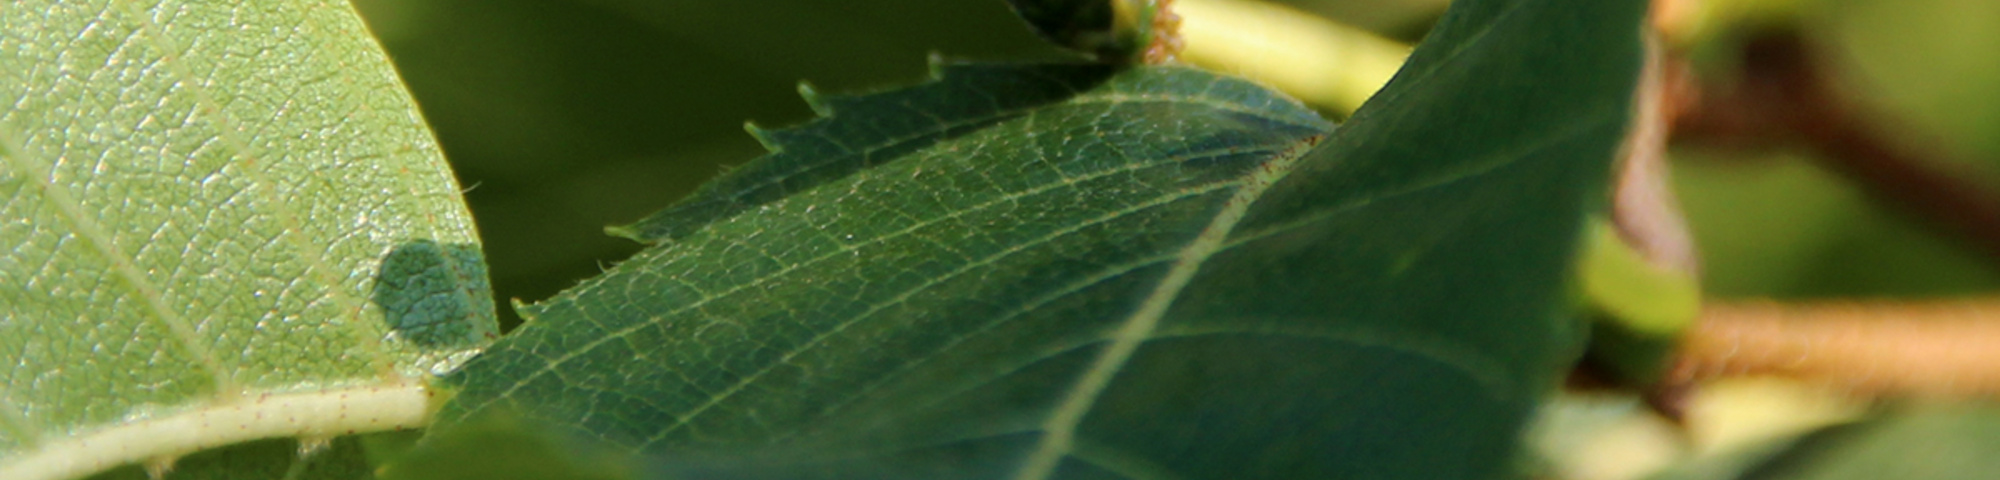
(213, 207)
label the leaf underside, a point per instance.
(1066, 271)
(207, 202)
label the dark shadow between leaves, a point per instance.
(806, 156)
(435, 296)
(343, 457)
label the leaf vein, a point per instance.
(906, 294)
(1473, 40)
(844, 249)
(1059, 435)
(246, 152)
(1029, 111)
(71, 212)
(1496, 162)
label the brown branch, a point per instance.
(1165, 44)
(1644, 208)
(1936, 348)
(1784, 96)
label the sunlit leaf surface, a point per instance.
(211, 207)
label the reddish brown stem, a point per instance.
(1937, 348)
(1166, 43)
(1784, 95)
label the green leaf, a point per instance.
(1082, 272)
(1936, 442)
(1641, 309)
(219, 215)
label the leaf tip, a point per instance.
(937, 64)
(820, 103)
(159, 467)
(527, 311)
(764, 137)
(628, 232)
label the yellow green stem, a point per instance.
(1326, 64)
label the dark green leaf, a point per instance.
(1081, 272)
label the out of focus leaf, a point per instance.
(1927, 443)
(501, 445)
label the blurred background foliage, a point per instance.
(564, 116)
(1773, 223)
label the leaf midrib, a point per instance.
(226, 385)
(247, 153)
(622, 333)
(314, 414)
(911, 292)
(1472, 170)
(93, 234)
(1058, 434)
(1466, 360)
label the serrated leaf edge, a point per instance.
(1058, 433)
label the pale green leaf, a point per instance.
(1919, 442)
(216, 214)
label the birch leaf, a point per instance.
(1060, 271)
(225, 221)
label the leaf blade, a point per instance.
(1050, 181)
(1398, 293)
(210, 202)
